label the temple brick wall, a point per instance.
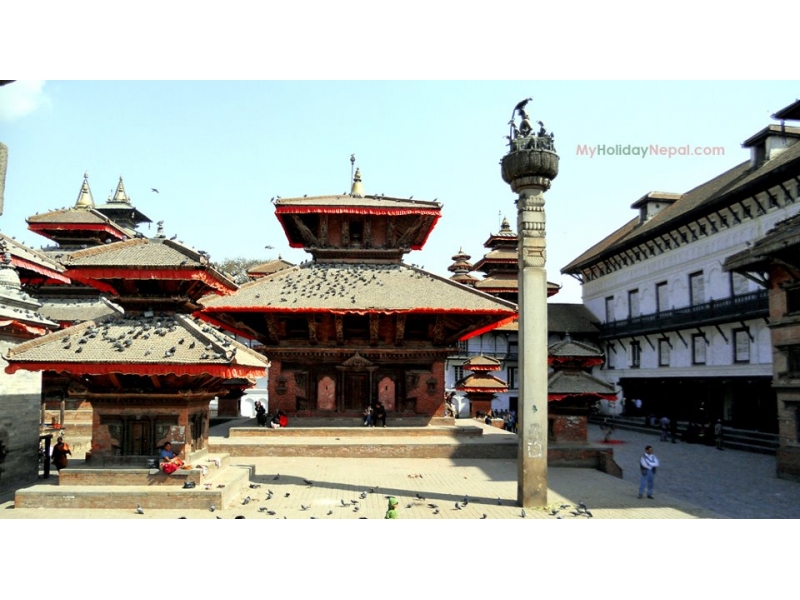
(20, 410)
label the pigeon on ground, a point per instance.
(355, 509)
(436, 512)
(484, 516)
(304, 507)
(499, 502)
(433, 505)
(212, 508)
(409, 505)
(344, 503)
(330, 512)
(270, 492)
(278, 476)
(139, 510)
(246, 501)
(363, 495)
(522, 513)
(307, 482)
(254, 486)
(286, 495)
(458, 506)
(271, 513)
(263, 509)
(420, 497)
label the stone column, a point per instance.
(529, 167)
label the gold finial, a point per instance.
(85, 199)
(358, 188)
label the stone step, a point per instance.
(202, 471)
(349, 432)
(224, 490)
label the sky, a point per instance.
(218, 151)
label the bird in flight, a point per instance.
(155, 190)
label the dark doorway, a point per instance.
(139, 438)
(356, 391)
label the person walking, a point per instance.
(647, 465)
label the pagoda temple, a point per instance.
(355, 325)
(149, 373)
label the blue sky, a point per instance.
(219, 150)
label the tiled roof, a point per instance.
(570, 348)
(482, 382)
(77, 310)
(160, 341)
(139, 253)
(356, 287)
(29, 255)
(732, 185)
(577, 382)
(571, 318)
(269, 267)
(72, 215)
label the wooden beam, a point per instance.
(374, 328)
(400, 329)
(338, 323)
(115, 380)
(308, 237)
(722, 333)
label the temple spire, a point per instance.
(358, 189)
(85, 199)
(120, 195)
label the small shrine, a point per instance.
(481, 386)
(572, 391)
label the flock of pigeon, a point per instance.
(285, 508)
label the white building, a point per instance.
(687, 338)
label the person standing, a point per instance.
(60, 452)
(664, 427)
(647, 465)
(718, 433)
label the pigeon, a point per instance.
(286, 495)
(330, 512)
(246, 501)
(278, 476)
(409, 505)
(254, 486)
(344, 503)
(582, 506)
(458, 506)
(433, 505)
(212, 508)
(522, 513)
(271, 513)
(270, 492)
(304, 507)
(484, 516)
(466, 501)
(139, 510)
(263, 509)
(307, 482)
(363, 495)
(355, 509)
(499, 502)
(420, 497)
(154, 190)
(436, 512)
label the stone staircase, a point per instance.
(217, 481)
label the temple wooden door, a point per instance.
(140, 438)
(356, 391)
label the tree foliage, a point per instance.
(237, 268)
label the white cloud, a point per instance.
(21, 98)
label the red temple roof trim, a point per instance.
(357, 210)
(51, 274)
(19, 326)
(223, 371)
(91, 276)
(43, 228)
(355, 311)
(491, 327)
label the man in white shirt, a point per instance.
(647, 465)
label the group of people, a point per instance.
(373, 415)
(278, 420)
